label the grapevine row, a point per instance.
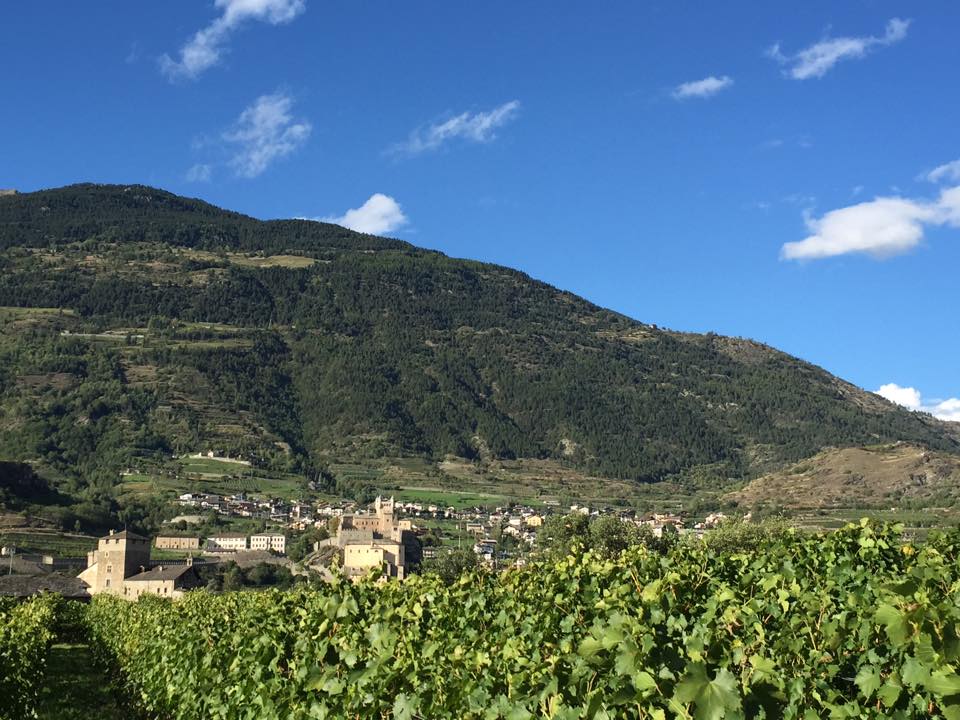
(851, 624)
(26, 630)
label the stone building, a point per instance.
(375, 540)
(164, 580)
(176, 542)
(361, 555)
(118, 556)
(121, 565)
(269, 541)
(228, 542)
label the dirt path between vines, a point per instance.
(76, 688)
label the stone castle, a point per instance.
(121, 566)
(375, 540)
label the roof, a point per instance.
(161, 572)
(123, 535)
(26, 585)
(233, 536)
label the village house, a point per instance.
(164, 580)
(269, 541)
(301, 512)
(176, 542)
(190, 499)
(227, 542)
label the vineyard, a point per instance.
(26, 631)
(854, 624)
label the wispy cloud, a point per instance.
(912, 399)
(478, 127)
(379, 214)
(804, 142)
(205, 48)
(201, 172)
(134, 54)
(816, 60)
(266, 131)
(882, 228)
(947, 171)
(702, 88)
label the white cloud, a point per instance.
(475, 127)
(907, 396)
(816, 60)
(204, 49)
(947, 171)
(379, 214)
(883, 227)
(200, 172)
(912, 399)
(702, 88)
(264, 132)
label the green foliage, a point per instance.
(606, 535)
(20, 485)
(735, 535)
(111, 214)
(230, 576)
(376, 349)
(450, 565)
(301, 545)
(26, 630)
(854, 624)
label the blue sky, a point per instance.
(748, 168)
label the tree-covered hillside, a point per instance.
(134, 322)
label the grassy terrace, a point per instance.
(460, 484)
(212, 476)
(48, 542)
(445, 498)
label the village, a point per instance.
(480, 526)
(388, 538)
(304, 534)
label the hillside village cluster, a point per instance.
(384, 539)
(518, 521)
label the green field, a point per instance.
(206, 475)
(459, 483)
(448, 498)
(916, 523)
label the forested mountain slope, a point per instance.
(136, 322)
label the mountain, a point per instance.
(880, 476)
(135, 324)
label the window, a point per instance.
(107, 583)
(109, 568)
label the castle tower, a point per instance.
(385, 510)
(118, 556)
